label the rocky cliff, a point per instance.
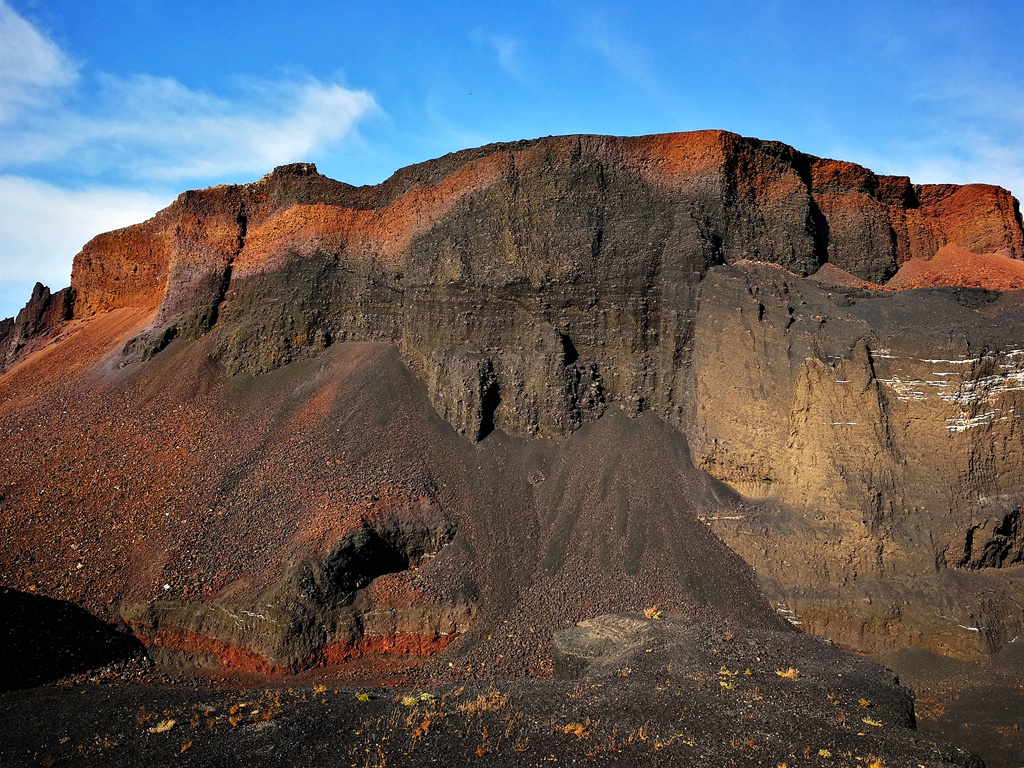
(45, 313)
(527, 285)
(531, 379)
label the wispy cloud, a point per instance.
(628, 59)
(43, 226)
(508, 52)
(971, 158)
(31, 67)
(132, 142)
(154, 128)
(971, 131)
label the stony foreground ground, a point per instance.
(631, 690)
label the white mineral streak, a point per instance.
(963, 424)
(788, 614)
(911, 389)
(967, 395)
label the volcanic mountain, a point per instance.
(419, 428)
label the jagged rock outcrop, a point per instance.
(38, 321)
(536, 294)
(320, 611)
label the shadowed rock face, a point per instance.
(885, 445)
(43, 640)
(559, 361)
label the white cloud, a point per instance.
(145, 127)
(43, 226)
(31, 66)
(507, 50)
(142, 127)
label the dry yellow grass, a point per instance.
(162, 727)
(576, 729)
(491, 701)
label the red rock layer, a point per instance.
(954, 266)
(400, 644)
(195, 644)
(866, 224)
(207, 649)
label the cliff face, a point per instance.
(706, 285)
(527, 284)
(881, 431)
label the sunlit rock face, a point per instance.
(244, 400)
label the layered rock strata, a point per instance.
(544, 297)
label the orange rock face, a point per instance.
(126, 268)
(954, 266)
(977, 217)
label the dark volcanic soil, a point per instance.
(677, 690)
(978, 705)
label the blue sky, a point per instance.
(110, 108)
